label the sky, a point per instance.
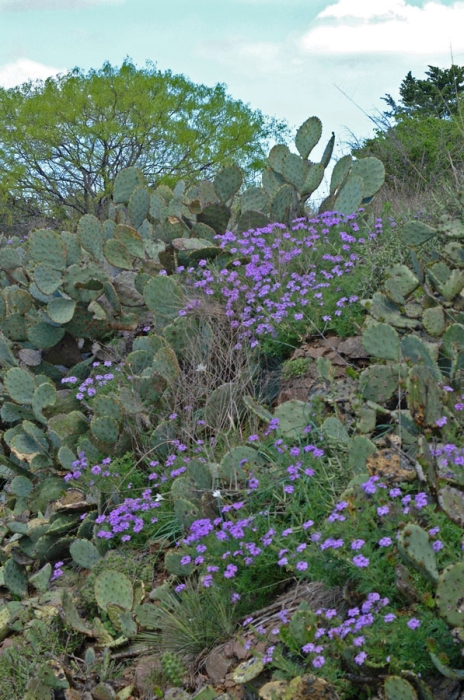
(291, 59)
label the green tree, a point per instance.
(436, 96)
(63, 140)
(420, 139)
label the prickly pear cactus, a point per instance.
(84, 553)
(397, 688)
(294, 417)
(449, 596)
(416, 549)
(113, 587)
(382, 341)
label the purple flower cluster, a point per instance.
(57, 571)
(281, 281)
(126, 516)
(448, 456)
(353, 629)
(81, 464)
(88, 388)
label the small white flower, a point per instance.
(217, 494)
(159, 497)
(201, 367)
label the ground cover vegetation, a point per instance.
(173, 522)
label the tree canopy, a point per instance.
(421, 135)
(436, 96)
(63, 140)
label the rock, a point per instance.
(73, 694)
(240, 651)
(103, 691)
(217, 665)
(390, 466)
(145, 672)
(353, 347)
(176, 694)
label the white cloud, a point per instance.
(34, 5)
(361, 47)
(23, 70)
(263, 57)
(386, 26)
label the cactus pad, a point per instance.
(184, 487)
(255, 198)
(21, 486)
(416, 233)
(158, 207)
(48, 247)
(139, 205)
(350, 197)
(113, 587)
(128, 626)
(20, 385)
(43, 336)
(252, 219)
(281, 203)
(257, 408)
(166, 365)
(382, 341)
(384, 310)
(104, 428)
(413, 349)
(84, 553)
(308, 136)
(416, 549)
(216, 216)
(173, 564)
(295, 170)
(117, 254)
(45, 395)
(360, 449)
(227, 182)
(397, 688)
(186, 512)
(131, 239)
(378, 383)
(450, 594)
(277, 156)
(313, 179)
(125, 183)
(189, 338)
(451, 501)
(107, 406)
(339, 173)
(47, 279)
(434, 320)
(200, 473)
(61, 310)
(90, 235)
(271, 181)
(164, 297)
(72, 617)
(41, 579)
(335, 430)
(221, 404)
(15, 578)
(239, 462)
(372, 171)
(294, 416)
(424, 396)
